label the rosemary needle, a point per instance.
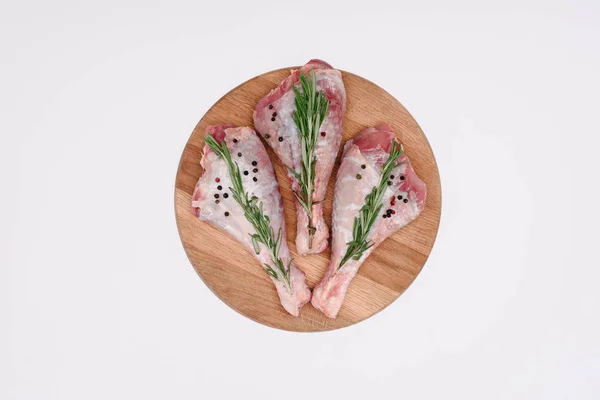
(253, 211)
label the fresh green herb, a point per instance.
(311, 109)
(369, 211)
(253, 211)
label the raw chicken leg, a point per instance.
(214, 202)
(274, 119)
(360, 171)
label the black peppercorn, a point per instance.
(363, 166)
(391, 176)
(254, 163)
(384, 215)
(280, 139)
(234, 140)
(270, 106)
(358, 176)
(227, 213)
(245, 172)
(406, 200)
(219, 187)
(267, 136)
(274, 114)
(255, 170)
(399, 197)
(216, 195)
(216, 201)
(273, 119)
(389, 183)
(254, 179)
(225, 195)
(239, 154)
(401, 177)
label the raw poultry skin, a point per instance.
(370, 148)
(226, 214)
(273, 120)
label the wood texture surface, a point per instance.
(237, 278)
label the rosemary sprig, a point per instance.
(369, 211)
(253, 211)
(311, 109)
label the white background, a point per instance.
(98, 300)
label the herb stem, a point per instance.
(369, 211)
(311, 109)
(253, 211)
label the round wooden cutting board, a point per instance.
(238, 279)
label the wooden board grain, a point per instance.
(237, 278)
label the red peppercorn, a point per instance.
(217, 180)
(393, 212)
(323, 134)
